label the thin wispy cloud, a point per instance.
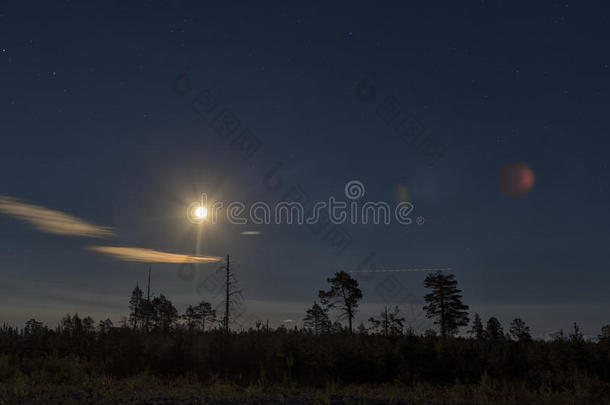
(251, 233)
(51, 221)
(134, 254)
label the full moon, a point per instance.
(201, 212)
(516, 179)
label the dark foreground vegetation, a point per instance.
(157, 356)
(259, 362)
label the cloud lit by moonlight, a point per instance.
(51, 221)
(134, 254)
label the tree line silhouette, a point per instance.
(154, 338)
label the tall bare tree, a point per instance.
(147, 307)
(230, 292)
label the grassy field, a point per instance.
(144, 389)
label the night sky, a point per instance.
(98, 121)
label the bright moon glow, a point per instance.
(201, 212)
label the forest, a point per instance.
(198, 353)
